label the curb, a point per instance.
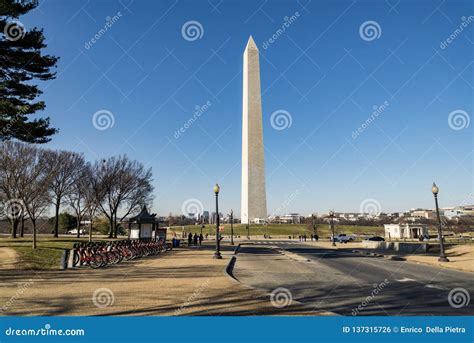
(230, 267)
(395, 258)
(375, 254)
(65, 257)
(229, 272)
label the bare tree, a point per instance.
(9, 168)
(139, 196)
(64, 168)
(123, 185)
(23, 218)
(91, 200)
(32, 183)
(77, 197)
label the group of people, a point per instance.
(314, 237)
(195, 239)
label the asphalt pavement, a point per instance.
(348, 283)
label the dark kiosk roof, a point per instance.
(143, 217)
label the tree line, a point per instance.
(34, 180)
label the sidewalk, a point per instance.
(185, 281)
(8, 258)
(461, 257)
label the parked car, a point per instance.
(376, 239)
(343, 238)
(74, 232)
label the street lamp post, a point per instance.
(231, 227)
(442, 256)
(331, 223)
(248, 231)
(217, 254)
(314, 226)
(182, 225)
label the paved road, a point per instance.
(348, 283)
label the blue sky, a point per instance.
(325, 73)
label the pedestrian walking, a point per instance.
(190, 238)
(201, 237)
(195, 239)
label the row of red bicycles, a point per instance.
(101, 254)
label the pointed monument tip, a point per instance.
(251, 44)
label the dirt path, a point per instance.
(8, 258)
(181, 282)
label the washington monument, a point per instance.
(254, 196)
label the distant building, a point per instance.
(203, 217)
(405, 231)
(213, 218)
(353, 216)
(291, 218)
(451, 213)
(259, 220)
(423, 214)
(458, 211)
(273, 219)
(467, 210)
(396, 215)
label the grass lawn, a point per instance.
(47, 255)
(284, 229)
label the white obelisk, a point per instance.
(254, 196)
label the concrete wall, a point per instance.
(412, 248)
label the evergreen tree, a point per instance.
(21, 63)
